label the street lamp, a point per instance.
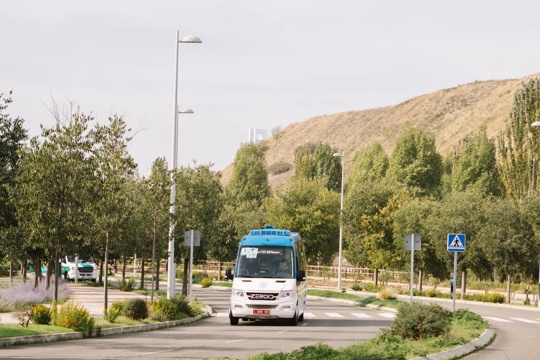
(340, 256)
(536, 124)
(190, 39)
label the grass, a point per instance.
(32, 329)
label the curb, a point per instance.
(76, 335)
(485, 339)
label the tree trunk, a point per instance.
(463, 283)
(158, 263)
(24, 264)
(420, 276)
(219, 271)
(37, 271)
(48, 275)
(56, 277)
(11, 271)
(142, 273)
(101, 271)
(106, 282)
(376, 277)
(508, 289)
(124, 266)
(185, 277)
(153, 262)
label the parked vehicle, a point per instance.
(269, 280)
(86, 269)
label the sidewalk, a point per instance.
(90, 297)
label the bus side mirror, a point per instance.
(301, 275)
(228, 274)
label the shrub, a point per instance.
(370, 287)
(356, 287)
(23, 317)
(40, 314)
(127, 285)
(416, 321)
(136, 309)
(367, 300)
(182, 305)
(25, 295)
(164, 310)
(197, 277)
(206, 282)
(75, 316)
(466, 317)
(114, 311)
(279, 167)
(388, 294)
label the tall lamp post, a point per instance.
(190, 39)
(536, 124)
(340, 256)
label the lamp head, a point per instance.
(190, 39)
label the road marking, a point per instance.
(387, 315)
(284, 331)
(233, 341)
(496, 319)
(308, 315)
(362, 315)
(154, 352)
(334, 315)
(526, 320)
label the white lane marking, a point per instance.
(282, 332)
(154, 352)
(308, 315)
(334, 315)
(362, 316)
(496, 319)
(387, 315)
(526, 320)
(233, 341)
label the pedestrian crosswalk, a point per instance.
(335, 315)
(497, 319)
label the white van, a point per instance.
(269, 279)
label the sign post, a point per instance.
(191, 238)
(412, 242)
(455, 243)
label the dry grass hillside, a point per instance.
(450, 114)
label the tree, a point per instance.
(312, 210)
(475, 166)
(518, 144)
(370, 164)
(199, 203)
(113, 166)
(12, 138)
(415, 162)
(247, 189)
(53, 188)
(316, 161)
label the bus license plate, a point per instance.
(261, 312)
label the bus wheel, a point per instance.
(234, 320)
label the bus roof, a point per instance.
(269, 236)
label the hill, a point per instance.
(450, 114)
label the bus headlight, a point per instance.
(239, 293)
(286, 294)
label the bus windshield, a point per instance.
(265, 261)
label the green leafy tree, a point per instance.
(199, 204)
(316, 161)
(12, 138)
(475, 166)
(370, 164)
(113, 166)
(507, 239)
(53, 189)
(518, 144)
(309, 208)
(411, 218)
(415, 162)
(247, 190)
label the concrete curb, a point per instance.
(485, 339)
(37, 339)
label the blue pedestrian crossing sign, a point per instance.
(455, 243)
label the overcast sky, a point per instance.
(262, 64)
